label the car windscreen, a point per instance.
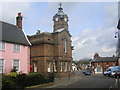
(114, 69)
(119, 68)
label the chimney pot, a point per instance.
(19, 14)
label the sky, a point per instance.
(91, 24)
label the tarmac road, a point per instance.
(92, 81)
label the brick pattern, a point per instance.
(50, 50)
(104, 65)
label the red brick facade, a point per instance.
(52, 52)
(101, 64)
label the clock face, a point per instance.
(65, 19)
(56, 19)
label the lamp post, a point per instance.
(117, 35)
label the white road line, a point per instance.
(110, 87)
(116, 81)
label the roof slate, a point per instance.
(105, 59)
(12, 34)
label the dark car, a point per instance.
(87, 72)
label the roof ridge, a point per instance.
(10, 24)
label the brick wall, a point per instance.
(103, 65)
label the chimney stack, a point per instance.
(96, 55)
(19, 20)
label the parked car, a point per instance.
(87, 72)
(113, 71)
(107, 72)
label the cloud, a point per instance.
(86, 41)
(100, 40)
(10, 10)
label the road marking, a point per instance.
(116, 81)
(110, 87)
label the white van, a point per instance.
(113, 71)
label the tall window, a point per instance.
(16, 48)
(16, 64)
(2, 45)
(99, 69)
(65, 46)
(49, 66)
(1, 65)
(65, 66)
(61, 65)
(35, 66)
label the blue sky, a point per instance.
(91, 24)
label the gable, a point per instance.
(12, 34)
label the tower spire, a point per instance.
(60, 19)
(60, 8)
(60, 4)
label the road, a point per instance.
(92, 81)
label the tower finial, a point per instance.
(60, 4)
(60, 8)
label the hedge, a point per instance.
(23, 80)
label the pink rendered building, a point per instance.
(14, 47)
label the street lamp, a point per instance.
(117, 35)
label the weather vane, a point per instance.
(60, 4)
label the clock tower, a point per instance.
(60, 20)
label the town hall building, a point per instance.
(52, 52)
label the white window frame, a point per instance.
(3, 64)
(65, 66)
(100, 68)
(54, 66)
(13, 64)
(49, 67)
(69, 66)
(3, 46)
(35, 67)
(61, 65)
(15, 49)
